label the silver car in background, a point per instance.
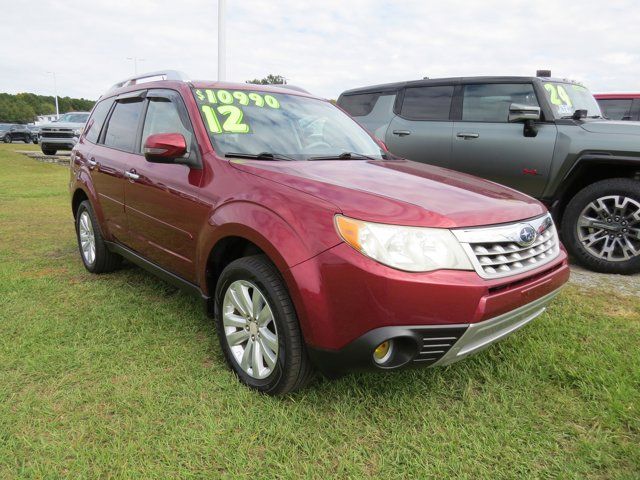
(63, 133)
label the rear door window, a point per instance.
(427, 103)
(360, 104)
(490, 102)
(122, 128)
(616, 108)
(94, 125)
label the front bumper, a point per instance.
(340, 295)
(58, 143)
(436, 345)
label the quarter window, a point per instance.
(359, 105)
(123, 125)
(490, 102)
(616, 108)
(427, 103)
(97, 120)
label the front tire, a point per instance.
(601, 226)
(96, 257)
(8, 139)
(258, 328)
(49, 151)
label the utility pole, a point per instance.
(222, 41)
(55, 92)
(135, 63)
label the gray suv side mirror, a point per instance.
(519, 113)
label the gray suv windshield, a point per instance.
(566, 98)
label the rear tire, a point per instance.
(49, 151)
(601, 226)
(281, 363)
(95, 255)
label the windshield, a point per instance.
(566, 98)
(300, 128)
(74, 118)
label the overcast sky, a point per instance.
(326, 46)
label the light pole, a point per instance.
(222, 41)
(55, 92)
(135, 63)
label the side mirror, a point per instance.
(520, 113)
(165, 148)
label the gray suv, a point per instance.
(63, 133)
(543, 136)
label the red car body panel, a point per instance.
(626, 96)
(402, 192)
(342, 293)
(174, 216)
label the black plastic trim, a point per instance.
(160, 272)
(409, 340)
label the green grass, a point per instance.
(120, 376)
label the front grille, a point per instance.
(503, 250)
(57, 133)
(437, 342)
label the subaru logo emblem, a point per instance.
(527, 236)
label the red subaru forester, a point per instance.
(310, 244)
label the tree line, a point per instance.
(25, 107)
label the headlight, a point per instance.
(414, 249)
(77, 132)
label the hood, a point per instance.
(612, 126)
(71, 125)
(400, 191)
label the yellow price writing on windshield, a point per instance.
(232, 119)
(226, 97)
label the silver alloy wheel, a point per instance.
(609, 228)
(250, 329)
(87, 238)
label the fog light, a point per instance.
(383, 352)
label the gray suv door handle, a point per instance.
(402, 133)
(132, 175)
(466, 135)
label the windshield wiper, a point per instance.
(345, 156)
(260, 156)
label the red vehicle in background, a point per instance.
(310, 245)
(619, 106)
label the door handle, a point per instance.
(402, 133)
(466, 135)
(92, 162)
(131, 175)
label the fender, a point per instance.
(587, 159)
(594, 158)
(261, 226)
(83, 182)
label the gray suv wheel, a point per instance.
(601, 226)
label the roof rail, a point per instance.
(152, 77)
(290, 87)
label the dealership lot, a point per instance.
(126, 367)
